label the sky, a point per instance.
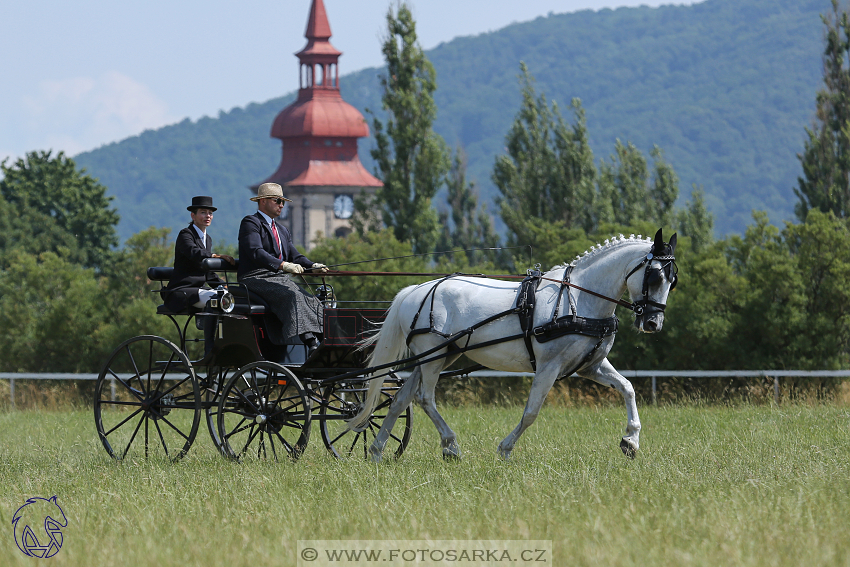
(77, 75)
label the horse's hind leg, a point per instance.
(606, 374)
(540, 386)
(400, 402)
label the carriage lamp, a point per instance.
(325, 294)
(223, 300)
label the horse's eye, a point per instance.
(654, 277)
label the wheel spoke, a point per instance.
(171, 425)
(136, 368)
(125, 420)
(237, 430)
(161, 438)
(120, 403)
(130, 442)
(286, 445)
(126, 385)
(250, 438)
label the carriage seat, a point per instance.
(247, 303)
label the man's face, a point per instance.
(202, 218)
(272, 206)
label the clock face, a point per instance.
(343, 206)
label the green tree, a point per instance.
(410, 158)
(696, 221)
(636, 194)
(825, 184)
(471, 225)
(56, 207)
(548, 173)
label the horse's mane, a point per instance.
(609, 244)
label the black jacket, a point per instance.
(258, 248)
(189, 276)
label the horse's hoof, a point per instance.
(504, 454)
(451, 453)
(375, 457)
(628, 449)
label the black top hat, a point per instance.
(201, 202)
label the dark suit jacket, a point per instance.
(189, 276)
(258, 248)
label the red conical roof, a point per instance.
(317, 24)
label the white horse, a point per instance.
(445, 307)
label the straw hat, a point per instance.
(269, 191)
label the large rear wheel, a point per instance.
(342, 401)
(147, 401)
(264, 413)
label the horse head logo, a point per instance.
(38, 527)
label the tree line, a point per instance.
(771, 298)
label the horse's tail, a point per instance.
(390, 345)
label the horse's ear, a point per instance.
(658, 246)
(673, 242)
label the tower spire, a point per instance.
(317, 24)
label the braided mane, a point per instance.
(609, 244)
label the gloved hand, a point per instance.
(318, 266)
(291, 268)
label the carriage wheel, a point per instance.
(264, 413)
(211, 387)
(147, 401)
(342, 401)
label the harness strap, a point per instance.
(525, 310)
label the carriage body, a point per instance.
(258, 399)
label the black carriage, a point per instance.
(257, 399)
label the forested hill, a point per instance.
(724, 87)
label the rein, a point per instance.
(638, 309)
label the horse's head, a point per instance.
(649, 287)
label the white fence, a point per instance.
(653, 374)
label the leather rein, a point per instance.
(638, 306)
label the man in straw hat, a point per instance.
(267, 258)
(187, 285)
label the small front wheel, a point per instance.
(264, 413)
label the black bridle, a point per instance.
(652, 276)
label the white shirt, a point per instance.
(201, 233)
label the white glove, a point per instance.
(291, 268)
(318, 266)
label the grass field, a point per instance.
(714, 486)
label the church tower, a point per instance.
(319, 168)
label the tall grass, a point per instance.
(749, 485)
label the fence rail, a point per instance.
(653, 374)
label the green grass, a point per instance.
(752, 485)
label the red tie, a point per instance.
(279, 247)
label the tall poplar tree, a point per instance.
(825, 183)
(471, 225)
(410, 158)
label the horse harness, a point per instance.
(557, 327)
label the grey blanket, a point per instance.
(297, 311)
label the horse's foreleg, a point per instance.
(540, 386)
(426, 400)
(606, 374)
(399, 404)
